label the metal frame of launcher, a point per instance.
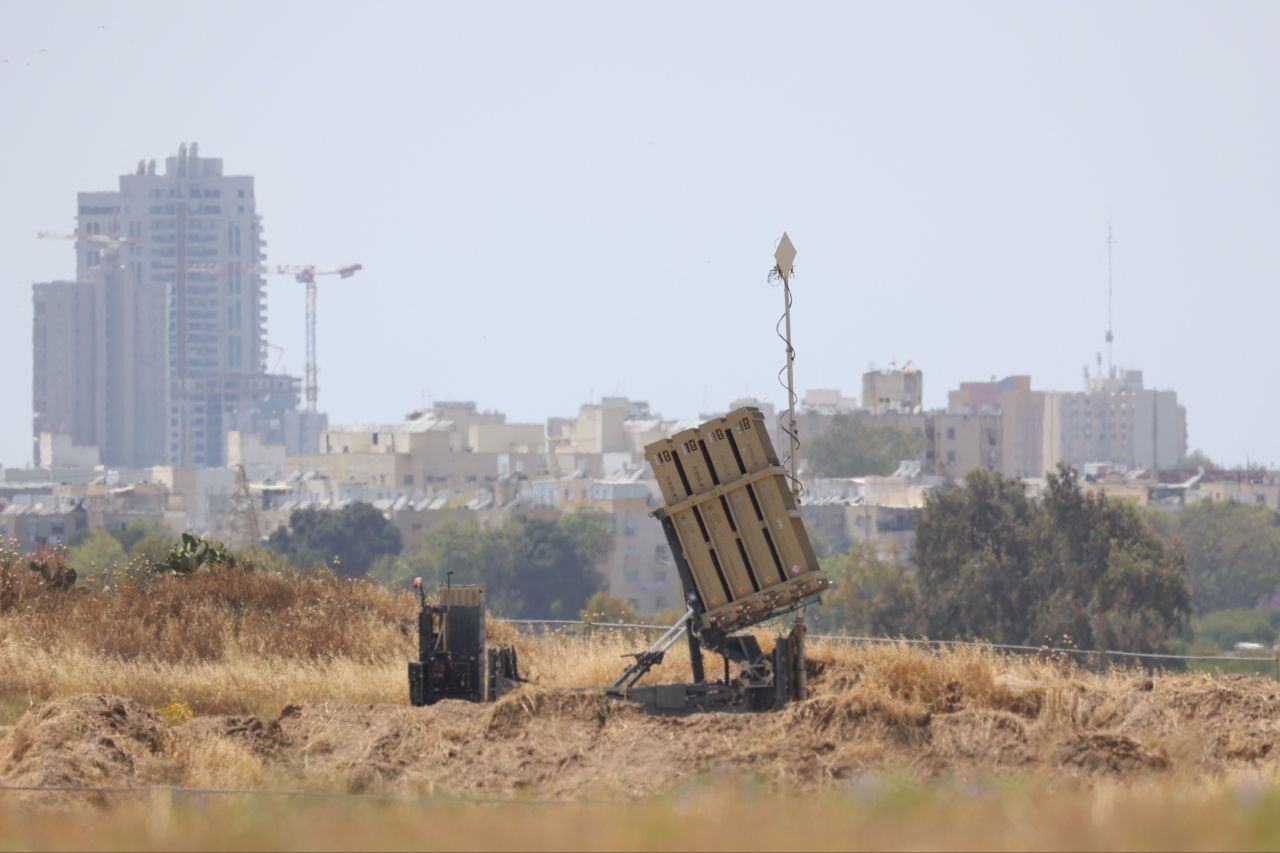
(743, 557)
(453, 662)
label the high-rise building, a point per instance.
(171, 263)
(64, 354)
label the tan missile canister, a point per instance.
(738, 526)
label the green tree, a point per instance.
(1077, 568)
(590, 534)
(259, 559)
(391, 570)
(98, 555)
(557, 573)
(152, 548)
(531, 567)
(975, 553)
(853, 447)
(872, 595)
(347, 540)
(1113, 582)
(141, 529)
(1232, 552)
(475, 555)
(1224, 628)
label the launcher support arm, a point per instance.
(652, 656)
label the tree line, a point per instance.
(988, 563)
(1074, 568)
(531, 567)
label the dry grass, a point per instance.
(223, 641)
(234, 641)
(235, 684)
(208, 616)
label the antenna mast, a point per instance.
(785, 258)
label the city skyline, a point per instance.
(165, 321)
(556, 237)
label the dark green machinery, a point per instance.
(453, 661)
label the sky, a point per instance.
(558, 201)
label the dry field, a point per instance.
(298, 682)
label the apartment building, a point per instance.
(64, 354)
(878, 511)
(1115, 419)
(640, 568)
(1021, 420)
(963, 442)
(893, 389)
(827, 401)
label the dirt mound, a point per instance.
(1111, 753)
(900, 710)
(358, 747)
(85, 740)
(516, 712)
(263, 738)
(970, 737)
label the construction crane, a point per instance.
(307, 275)
(101, 239)
(109, 243)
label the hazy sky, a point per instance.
(558, 200)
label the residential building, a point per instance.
(827, 401)
(43, 523)
(1021, 412)
(63, 355)
(599, 427)
(372, 461)
(880, 511)
(58, 452)
(1116, 420)
(893, 389)
(963, 442)
(1250, 486)
(640, 568)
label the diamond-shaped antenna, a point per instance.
(785, 255)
